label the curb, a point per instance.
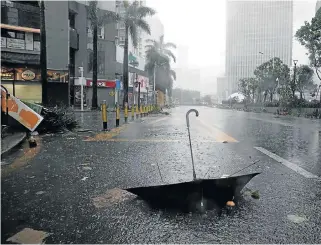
(14, 144)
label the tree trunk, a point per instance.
(301, 95)
(125, 67)
(94, 103)
(265, 94)
(43, 54)
(271, 97)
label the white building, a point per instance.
(256, 31)
(139, 50)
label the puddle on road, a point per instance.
(111, 197)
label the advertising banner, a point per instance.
(20, 112)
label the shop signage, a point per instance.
(7, 74)
(28, 75)
(15, 43)
(102, 83)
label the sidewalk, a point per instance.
(10, 140)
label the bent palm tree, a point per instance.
(159, 56)
(97, 19)
(133, 19)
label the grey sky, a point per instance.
(200, 25)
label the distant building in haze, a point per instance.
(156, 29)
(317, 6)
(256, 31)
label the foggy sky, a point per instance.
(200, 25)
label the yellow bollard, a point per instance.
(126, 112)
(104, 115)
(137, 111)
(117, 116)
(133, 112)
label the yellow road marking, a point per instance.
(106, 135)
(219, 135)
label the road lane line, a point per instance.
(220, 136)
(288, 164)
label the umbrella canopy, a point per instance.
(198, 194)
(189, 196)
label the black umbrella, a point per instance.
(196, 194)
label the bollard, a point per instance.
(104, 114)
(137, 112)
(133, 112)
(141, 111)
(126, 112)
(117, 116)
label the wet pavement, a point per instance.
(70, 187)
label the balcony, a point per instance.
(73, 38)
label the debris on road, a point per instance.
(28, 236)
(40, 192)
(87, 168)
(84, 178)
(196, 195)
(296, 219)
(255, 195)
(32, 142)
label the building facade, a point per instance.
(69, 46)
(139, 50)
(256, 31)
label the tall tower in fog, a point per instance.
(256, 31)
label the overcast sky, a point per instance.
(200, 25)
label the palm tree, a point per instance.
(97, 20)
(159, 56)
(133, 19)
(43, 54)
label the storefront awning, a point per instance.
(19, 28)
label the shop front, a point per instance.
(105, 91)
(25, 82)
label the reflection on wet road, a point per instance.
(72, 188)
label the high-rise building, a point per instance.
(256, 31)
(139, 50)
(317, 6)
(156, 28)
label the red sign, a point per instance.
(102, 83)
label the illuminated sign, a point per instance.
(28, 75)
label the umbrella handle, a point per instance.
(189, 137)
(187, 115)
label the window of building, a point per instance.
(36, 37)
(100, 61)
(72, 20)
(20, 35)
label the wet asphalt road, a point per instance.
(55, 191)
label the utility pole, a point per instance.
(154, 88)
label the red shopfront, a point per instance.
(105, 91)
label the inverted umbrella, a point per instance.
(198, 194)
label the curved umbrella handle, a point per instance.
(189, 138)
(187, 115)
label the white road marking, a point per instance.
(288, 164)
(29, 236)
